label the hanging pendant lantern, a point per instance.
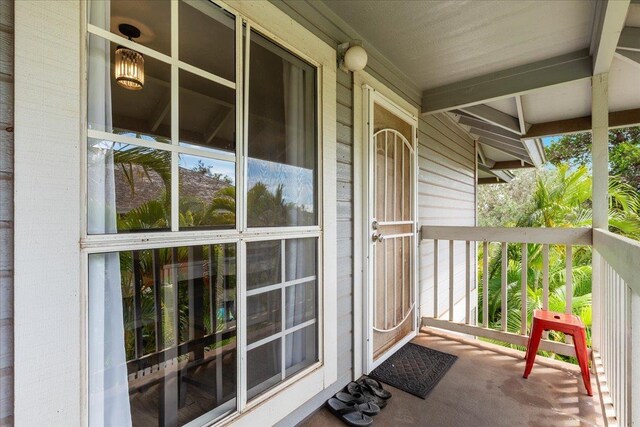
(129, 64)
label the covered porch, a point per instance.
(485, 387)
(554, 76)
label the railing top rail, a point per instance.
(552, 236)
(621, 253)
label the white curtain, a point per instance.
(298, 106)
(108, 385)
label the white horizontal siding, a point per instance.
(446, 196)
(48, 294)
(6, 213)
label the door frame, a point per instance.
(366, 89)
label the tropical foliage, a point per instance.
(145, 271)
(624, 153)
(559, 197)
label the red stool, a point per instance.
(570, 325)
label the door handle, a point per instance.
(377, 237)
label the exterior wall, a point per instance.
(48, 291)
(446, 196)
(6, 212)
(344, 157)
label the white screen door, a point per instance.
(391, 227)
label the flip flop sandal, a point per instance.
(355, 388)
(349, 413)
(375, 387)
(365, 406)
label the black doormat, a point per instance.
(414, 369)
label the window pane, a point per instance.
(207, 114)
(301, 349)
(282, 164)
(264, 264)
(264, 315)
(151, 17)
(264, 367)
(207, 193)
(144, 113)
(162, 332)
(129, 188)
(301, 303)
(300, 255)
(207, 38)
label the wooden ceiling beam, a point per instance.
(630, 39)
(495, 180)
(607, 27)
(511, 164)
(617, 119)
(488, 127)
(494, 117)
(507, 83)
(629, 56)
(516, 154)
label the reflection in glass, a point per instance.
(151, 17)
(207, 38)
(141, 179)
(144, 113)
(301, 349)
(207, 114)
(264, 367)
(207, 193)
(266, 288)
(282, 168)
(264, 315)
(173, 312)
(264, 264)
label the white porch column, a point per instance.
(600, 188)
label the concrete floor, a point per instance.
(485, 388)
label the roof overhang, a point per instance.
(510, 73)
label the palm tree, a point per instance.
(560, 200)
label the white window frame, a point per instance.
(50, 162)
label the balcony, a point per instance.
(485, 386)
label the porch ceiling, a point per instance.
(522, 66)
(440, 42)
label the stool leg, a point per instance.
(580, 344)
(534, 342)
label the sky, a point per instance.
(546, 141)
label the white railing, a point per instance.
(568, 237)
(615, 299)
(616, 325)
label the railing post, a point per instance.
(485, 284)
(569, 279)
(597, 293)
(451, 280)
(523, 290)
(435, 279)
(634, 356)
(503, 287)
(467, 303)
